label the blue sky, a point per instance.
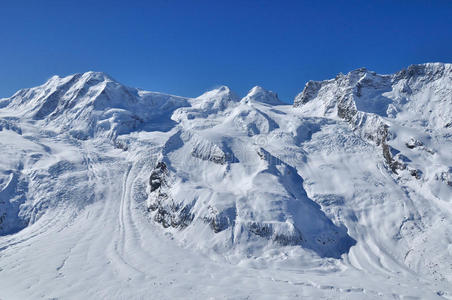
(188, 47)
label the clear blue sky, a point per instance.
(188, 47)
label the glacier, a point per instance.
(108, 191)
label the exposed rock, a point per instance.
(390, 161)
(445, 176)
(9, 125)
(267, 231)
(206, 150)
(413, 143)
(416, 173)
(220, 221)
(2, 218)
(166, 211)
(309, 92)
(157, 176)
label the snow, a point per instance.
(346, 195)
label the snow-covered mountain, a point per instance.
(129, 193)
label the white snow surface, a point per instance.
(111, 192)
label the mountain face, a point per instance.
(353, 181)
(93, 104)
(397, 111)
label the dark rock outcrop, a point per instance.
(157, 176)
(166, 211)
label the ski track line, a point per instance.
(86, 237)
(118, 256)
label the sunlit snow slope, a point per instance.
(113, 192)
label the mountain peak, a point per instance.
(429, 70)
(362, 92)
(97, 75)
(222, 90)
(217, 99)
(86, 76)
(77, 81)
(259, 94)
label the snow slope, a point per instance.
(112, 192)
